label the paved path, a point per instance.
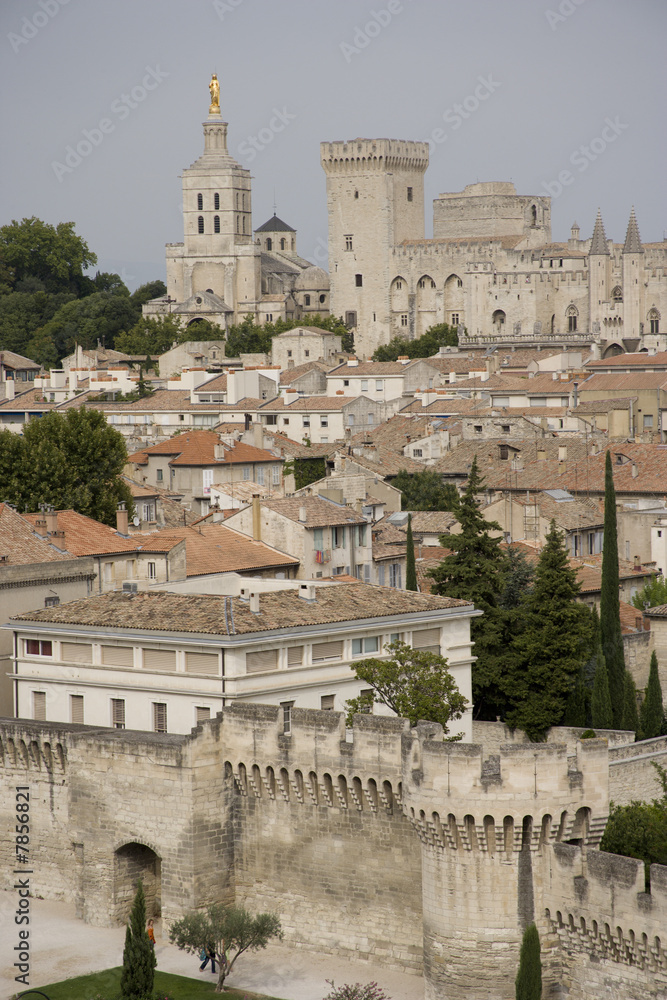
(62, 946)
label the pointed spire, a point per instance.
(599, 240)
(633, 243)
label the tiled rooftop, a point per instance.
(20, 545)
(639, 360)
(198, 448)
(626, 381)
(215, 548)
(87, 537)
(205, 614)
(319, 512)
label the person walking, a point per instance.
(207, 954)
(151, 932)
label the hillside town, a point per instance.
(284, 516)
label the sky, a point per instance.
(562, 97)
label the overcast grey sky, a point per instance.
(560, 96)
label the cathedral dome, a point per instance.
(311, 279)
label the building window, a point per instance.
(51, 602)
(39, 705)
(360, 532)
(246, 473)
(348, 242)
(306, 421)
(416, 452)
(648, 421)
(591, 543)
(455, 319)
(282, 244)
(306, 300)
(201, 714)
(654, 320)
(327, 702)
(409, 194)
(505, 428)
(358, 280)
(152, 575)
(269, 243)
(287, 717)
(395, 575)
(76, 708)
(617, 294)
(572, 314)
(39, 647)
(260, 475)
(216, 223)
(216, 201)
(159, 717)
(324, 421)
(404, 319)
(269, 317)
(338, 535)
(356, 194)
(200, 202)
(118, 713)
(200, 224)
(478, 428)
(306, 354)
(275, 474)
(323, 298)
(368, 645)
(160, 475)
(364, 385)
(350, 319)
(504, 452)
(379, 385)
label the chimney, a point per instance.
(541, 455)
(562, 453)
(404, 359)
(303, 515)
(352, 362)
(244, 594)
(51, 520)
(575, 394)
(307, 592)
(40, 526)
(635, 470)
(9, 388)
(638, 565)
(254, 602)
(256, 520)
(121, 520)
(258, 435)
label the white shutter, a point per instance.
(202, 663)
(76, 708)
(328, 650)
(267, 659)
(427, 639)
(159, 717)
(76, 652)
(118, 713)
(39, 705)
(159, 659)
(202, 714)
(294, 656)
(118, 656)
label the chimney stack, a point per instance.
(638, 564)
(303, 515)
(256, 519)
(121, 520)
(254, 603)
(307, 592)
(51, 520)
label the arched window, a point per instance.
(306, 300)
(654, 320)
(572, 314)
(200, 202)
(282, 244)
(617, 294)
(243, 197)
(269, 243)
(216, 223)
(533, 216)
(216, 201)
(237, 224)
(498, 320)
(200, 224)
(238, 201)
(244, 223)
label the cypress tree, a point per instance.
(576, 710)
(630, 719)
(138, 954)
(410, 568)
(652, 711)
(601, 714)
(528, 984)
(610, 618)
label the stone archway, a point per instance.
(132, 862)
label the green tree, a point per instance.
(136, 981)
(528, 984)
(652, 710)
(630, 718)
(610, 616)
(305, 470)
(229, 930)
(576, 710)
(413, 683)
(639, 830)
(23, 314)
(69, 460)
(356, 991)
(203, 329)
(652, 595)
(152, 336)
(54, 254)
(144, 293)
(425, 490)
(410, 567)
(425, 346)
(475, 571)
(99, 317)
(553, 644)
(249, 337)
(601, 713)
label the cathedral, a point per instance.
(222, 271)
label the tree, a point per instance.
(652, 710)
(413, 683)
(630, 718)
(474, 571)
(425, 346)
(99, 317)
(54, 254)
(610, 616)
(601, 713)
(653, 594)
(151, 290)
(356, 991)
(410, 568)
(425, 490)
(248, 337)
(576, 710)
(305, 470)
(24, 313)
(553, 644)
(152, 336)
(229, 930)
(71, 459)
(639, 830)
(139, 960)
(528, 985)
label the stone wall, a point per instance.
(493, 735)
(631, 776)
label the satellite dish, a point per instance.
(136, 521)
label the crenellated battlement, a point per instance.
(354, 155)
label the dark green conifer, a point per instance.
(652, 710)
(528, 985)
(610, 618)
(138, 955)
(630, 720)
(601, 714)
(410, 568)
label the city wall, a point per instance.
(382, 843)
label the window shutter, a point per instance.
(118, 656)
(76, 708)
(159, 717)
(76, 652)
(327, 651)
(427, 639)
(118, 713)
(266, 659)
(202, 663)
(202, 714)
(294, 656)
(159, 659)
(39, 705)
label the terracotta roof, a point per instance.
(446, 405)
(84, 536)
(218, 384)
(569, 514)
(320, 512)
(307, 404)
(639, 359)
(396, 432)
(245, 490)
(383, 461)
(297, 449)
(166, 400)
(198, 448)
(461, 364)
(19, 543)
(602, 405)
(632, 620)
(289, 375)
(374, 369)
(11, 360)
(29, 400)
(627, 380)
(206, 614)
(589, 572)
(215, 548)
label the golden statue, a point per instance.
(214, 87)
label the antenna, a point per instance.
(274, 201)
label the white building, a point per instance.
(165, 661)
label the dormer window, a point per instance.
(200, 202)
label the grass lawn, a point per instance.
(107, 985)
